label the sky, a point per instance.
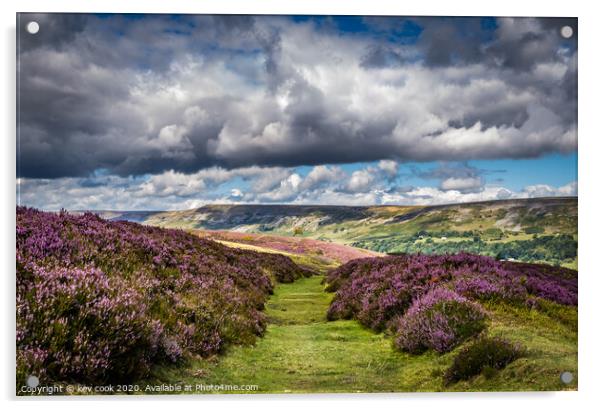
(152, 112)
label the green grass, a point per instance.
(302, 352)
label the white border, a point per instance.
(589, 197)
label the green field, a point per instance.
(302, 352)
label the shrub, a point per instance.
(484, 354)
(99, 300)
(439, 320)
(376, 291)
(534, 230)
(487, 288)
(84, 325)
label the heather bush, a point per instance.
(492, 288)
(100, 300)
(329, 251)
(377, 291)
(439, 320)
(484, 355)
(79, 323)
(556, 284)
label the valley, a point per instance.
(542, 230)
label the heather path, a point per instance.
(303, 352)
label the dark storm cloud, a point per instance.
(66, 117)
(270, 43)
(516, 43)
(134, 95)
(491, 116)
(557, 23)
(55, 29)
(379, 56)
(446, 41)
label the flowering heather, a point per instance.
(100, 300)
(297, 245)
(378, 291)
(439, 320)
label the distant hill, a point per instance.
(536, 230)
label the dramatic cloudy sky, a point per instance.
(172, 112)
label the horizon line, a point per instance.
(576, 197)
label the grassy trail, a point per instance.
(302, 352)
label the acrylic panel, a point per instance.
(295, 204)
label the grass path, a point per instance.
(302, 352)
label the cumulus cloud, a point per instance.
(321, 176)
(459, 176)
(361, 181)
(389, 167)
(542, 190)
(329, 185)
(285, 192)
(434, 196)
(462, 184)
(171, 183)
(147, 96)
(170, 113)
(371, 177)
(236, 193)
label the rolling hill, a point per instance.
(532, 230)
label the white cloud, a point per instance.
(322, 175)
(171, 183)
(569, 189)
(287, 190)
(361, 181)
(389, 167)
(236, 193)
(469, 184)
(542, 190)
(322, 185)
(170, 138)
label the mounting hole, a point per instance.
(33, 381)
(33, 27)
(566, 31)
(566, 377)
